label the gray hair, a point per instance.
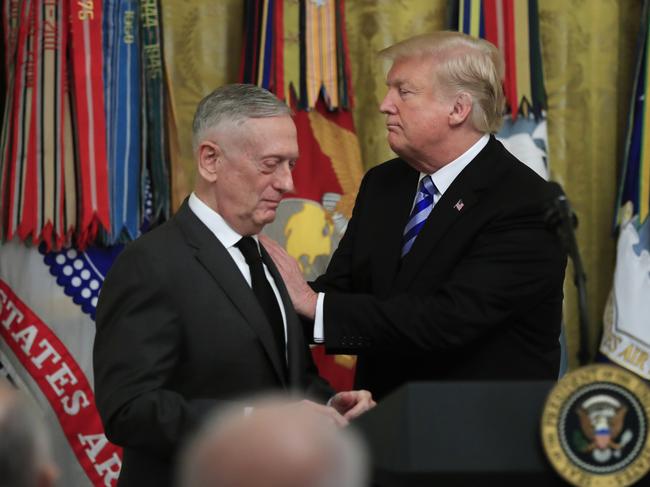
(24, 447)
(275, 445)
(234, 104)
(466, 64)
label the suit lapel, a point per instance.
(295, 341)
(397, 203)
(463, 194)
(217, 261)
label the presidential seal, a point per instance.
(595, 427)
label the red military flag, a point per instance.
(299, 52)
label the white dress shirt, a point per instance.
(442, 179)
(228, 238)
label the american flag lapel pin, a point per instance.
(459, 205)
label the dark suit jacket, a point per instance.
(179, 331)
(479, 295)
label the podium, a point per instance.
(459, 434)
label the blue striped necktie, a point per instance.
(419, 214)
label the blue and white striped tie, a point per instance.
(419, 214)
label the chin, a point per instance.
(266, 218)
(399, 150)
(395, 145)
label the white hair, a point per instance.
(234, 104)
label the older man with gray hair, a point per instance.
(278, 445)
(194, 315)
(25, 458)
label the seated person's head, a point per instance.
(280, 444)
(25, 459)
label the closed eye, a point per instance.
(269, 165)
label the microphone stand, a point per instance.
(561, 217)
(580, 281)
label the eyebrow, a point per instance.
(401, 82)
(274, 155)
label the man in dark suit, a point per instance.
(191, 315)
(446, 270)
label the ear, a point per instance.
(461, 109)
(209, 160)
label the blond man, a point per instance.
(446, 270)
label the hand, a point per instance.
(302, 296)
(326, 411)
(352, 404)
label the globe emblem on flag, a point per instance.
(308, 232)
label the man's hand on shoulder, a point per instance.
(352, 404)
(302, 296)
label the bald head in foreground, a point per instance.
(25, 459)
(280, 444)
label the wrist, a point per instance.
(308, 305)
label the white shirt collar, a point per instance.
(444, 176)
(215, 222)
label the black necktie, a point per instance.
(263, 291)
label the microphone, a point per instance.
(561, 218)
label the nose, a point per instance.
(387, 106)
(283, 181)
